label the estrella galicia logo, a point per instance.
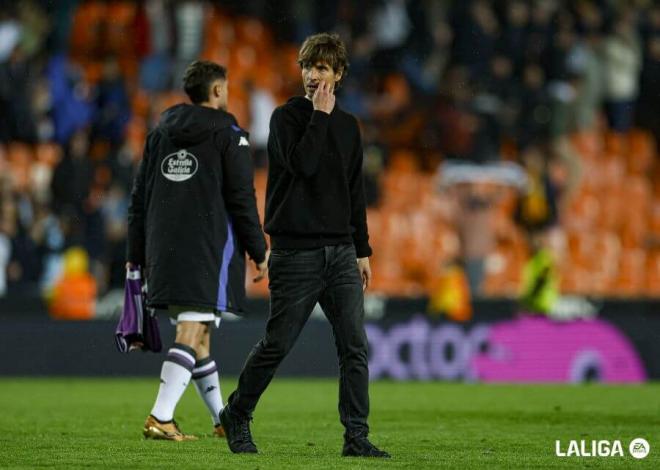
(179, 166)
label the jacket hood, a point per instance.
(188, 124)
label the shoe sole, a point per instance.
(153, 432)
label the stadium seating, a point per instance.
(611, 224)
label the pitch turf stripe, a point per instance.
(227, 254)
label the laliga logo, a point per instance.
(639, 448)
(179, 166)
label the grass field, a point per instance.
(97, 423)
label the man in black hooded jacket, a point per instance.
(192, 217)
(316, 218)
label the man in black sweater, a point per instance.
(316, 217)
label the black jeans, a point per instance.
(298, 280)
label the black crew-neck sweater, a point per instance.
(315, 192)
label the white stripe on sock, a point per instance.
(204, 368)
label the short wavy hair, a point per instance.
(324, 47)
(198, 78)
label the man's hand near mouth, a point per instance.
(323, 98)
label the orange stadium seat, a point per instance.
(253, 32)
(631, 280)
(219, 31)
(87, 28)
(641, 152)
(119, 33)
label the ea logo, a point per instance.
(639, 448)
(179, 166)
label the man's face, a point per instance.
(315, 73)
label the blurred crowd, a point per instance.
(471, 81)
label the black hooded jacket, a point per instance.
(315, 194)
(193, 213)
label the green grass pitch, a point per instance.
(75, 423)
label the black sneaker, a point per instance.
(361, 447)
(237, 429)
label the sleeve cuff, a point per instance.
(362, 249)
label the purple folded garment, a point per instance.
(136, 327)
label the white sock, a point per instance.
(207, 383)
(174, 378)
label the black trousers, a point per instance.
(298, 280)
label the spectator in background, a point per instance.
(537, 213)
(112, 104)
(26, 263)
(10, 33)
(533, 117)
(475, 191)
(451, 125)
(114, 210)
(156, 66)
(540, 29)
(589, 66)
(476, 31)
(49, 238)
(17, 79)
(648, 104)
(72, 177)
(391, 26)
(424, 68)
(474, 222)
(262, 105)
(561, 74)
(372, 169)
(537, 206)
(35, 26)
(623, 63)
(495, 103)
(71, 98)
(514, 37)
(74, 293)
(189, 26)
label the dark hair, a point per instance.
(198, 78)
(324, 47)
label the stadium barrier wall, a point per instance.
(621, 344)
